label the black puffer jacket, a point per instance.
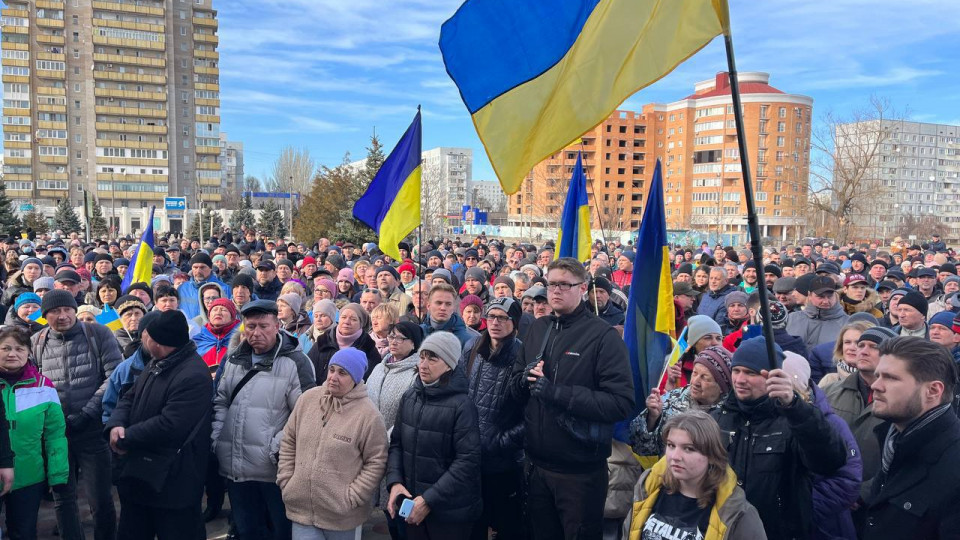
(774, 451)
(585, 359)
(501, 417)
(270, 291)
(12, 319)
(168, 401)
(321, 353)
(435, 449)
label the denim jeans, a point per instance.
(258, 511)
(22, 507)
(89, 453)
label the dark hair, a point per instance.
(164, 291)
(926, 361)
(18, 334)
(705, 435)
(568, 264)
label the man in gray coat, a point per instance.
(822, 318)
(78, 358)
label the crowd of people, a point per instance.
(476, 387)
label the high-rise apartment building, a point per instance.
(912, 172)
(231, 163)
(119, 99)
(446, 175)
(696, 140)
(488, 195)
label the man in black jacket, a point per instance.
(575, 380)
(916, 494)
(167, 414)
(776, 442)
(598, 299)
(488, 361)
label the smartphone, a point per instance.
(406, 507)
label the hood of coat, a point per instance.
(399, 366)
(358, 392)
(814, 312)
(286, 345)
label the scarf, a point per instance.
(894, 436)
(329, 404)
(345, 341)
(845, 368)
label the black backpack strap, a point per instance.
(41, 344)
(243, 382)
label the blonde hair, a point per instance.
(861, 326)
(705, 435)
(387, 311)
(293, 287)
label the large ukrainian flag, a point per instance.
(141, 264)
(651, 325)
(537, 74)
(573, 240)
(391, 205)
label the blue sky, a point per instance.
(322, 74)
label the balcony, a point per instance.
(51, 91)
(208, 166)
(49, 4)
(132, 43)
(46, 39)
(54, 160)
(208, 150)
(210, 55)
(50, 23)
(132, 162)
(108, 195)
(207, 70)
(120, 177)
(206, 38)
(15, 79)
(44, 124)
(45, 107)
(130, 94)
(17, 30)
(131, 128)
(131, 144)
(208, 182)
(130, 60)
(53, 193)
(129, 77)
(10, 12)
(208, 22)
(50, 74)
(131, 111)
(129, 7)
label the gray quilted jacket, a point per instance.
(79, 363)
(246, 432)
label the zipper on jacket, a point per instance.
(416, 437)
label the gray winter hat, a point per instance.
(445, 345)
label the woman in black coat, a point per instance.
(435, 447)
(352, 330)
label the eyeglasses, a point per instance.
(210, 298)
(396, 338)
(501, 319)
(560, 286)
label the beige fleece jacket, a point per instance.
(332, 456)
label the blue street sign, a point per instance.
(175, 203)
(26, 207)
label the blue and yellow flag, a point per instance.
(391, 205)
(573, 240)
(651, 325)
(537, 74)
(141, 264)
(109, 318)
(36, 316)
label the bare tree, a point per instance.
(433, 202)
(923, 227)
(293, 171)
(848, 186)
(252, 183)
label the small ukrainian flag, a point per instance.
(109, 318)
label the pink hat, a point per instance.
(346, 275)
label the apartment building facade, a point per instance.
(696, 140)
(117, 100)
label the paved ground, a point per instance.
(374, 529)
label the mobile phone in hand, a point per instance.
(406, 507)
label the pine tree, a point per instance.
(65, 219)
(35, 221)
(194, 230)
(243, 216)
(98, 223)
(272, 222)
(9, 222)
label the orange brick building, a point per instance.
(696, 140)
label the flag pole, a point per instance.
(596, 206)
(753, 222)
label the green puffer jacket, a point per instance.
(37, 430)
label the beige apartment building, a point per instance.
(696, 139)
(118, 100)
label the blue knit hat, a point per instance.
(354, 361)
(752, 354)
(26, 298)
(943, 318)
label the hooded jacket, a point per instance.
(169, 400)
(867, 305)
(712, 304)
(122, 380)
(501, 417)
(212, 344)
(775, 451)
(332, 456)
(815, 326)
(247, 431)
(435, 449)
(12, 319)
(731, 517)
(190, 294)
(585, 359)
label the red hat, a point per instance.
(854, 278)
(227, 303)
(407, 267)
(309, 260)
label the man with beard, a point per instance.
(201, 272)
(268, 285)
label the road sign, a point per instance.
(26, 207)
(175, 203)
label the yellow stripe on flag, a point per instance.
(403, 216)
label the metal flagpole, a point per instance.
(753, 222)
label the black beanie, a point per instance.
(141, 286)
(685, 268)
(913, 299)
(169, 329)
(411, 331)
(201, 258)
(55, 299)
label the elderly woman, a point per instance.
(710, 382)
(352, 330)
(19, 317)
(382, 318)
(471, 309)
(324, 319)
(324, 289)
(130, 310)
(435, 447)
(293, 319)
(387, 383)
(213, 340)
(209, 292)
(37, 433)
(333, 453)
(88, 313)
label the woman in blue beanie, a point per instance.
(25, 305)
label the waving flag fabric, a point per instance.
(537, 74)
(573, 239)
(109, 318)
(141, 264)
(391, 205)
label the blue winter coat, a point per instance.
(190, 294)
(833, 495)
(712, 304)
(790, 343)
(821, 361)
(455, 326)
(120, 381)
